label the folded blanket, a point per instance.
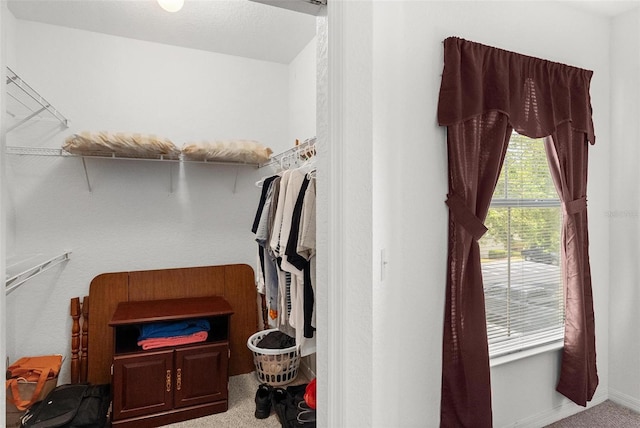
(160, 342)
(172, 328)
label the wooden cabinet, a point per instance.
(169, 384)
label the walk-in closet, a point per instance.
(135, 144)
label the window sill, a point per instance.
(504, 359)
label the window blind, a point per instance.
(521, 253)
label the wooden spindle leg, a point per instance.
(84, 360)
(75, 339)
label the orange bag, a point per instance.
(31, 369)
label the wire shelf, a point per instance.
(44, 151)
(15, 281)
(29, 99)
(294, 156)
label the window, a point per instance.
(521, 253)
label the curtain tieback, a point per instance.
(465, 216)
(575, 206)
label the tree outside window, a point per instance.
(521, 253)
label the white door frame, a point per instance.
(344, 294)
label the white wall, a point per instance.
(410, 217)
(624, 335)
(410, 226)
(139, 215)
(302, 94)
(115, 83)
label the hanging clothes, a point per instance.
(268, 276)
(260, 229)
(284, 225)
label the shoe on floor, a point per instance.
(263, 401)
(278, 395)
(280, 399)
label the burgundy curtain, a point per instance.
(567, 155)
(476, 149)
(485, 93)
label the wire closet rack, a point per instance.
(294, 156)
(26, 103)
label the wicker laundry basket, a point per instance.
(275, 367)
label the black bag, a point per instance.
(71, 406)
(291, 410)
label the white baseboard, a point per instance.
(625, 400)
(555, 414)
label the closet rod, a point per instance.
(19, 279)
(12, 77)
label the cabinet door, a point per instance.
(201, 374)
(142, 384)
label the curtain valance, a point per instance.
(537, 95)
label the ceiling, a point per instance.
(235, 27)
(244, 28)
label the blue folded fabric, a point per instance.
(172, 328)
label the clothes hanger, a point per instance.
(308, 154)
(311, 175)
(308, 165)
(260, 182)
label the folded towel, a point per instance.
(160, 342)
(172, 328)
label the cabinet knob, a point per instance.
(179, 379)
(168, 380)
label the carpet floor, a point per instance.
(242, 391)
(604, 415)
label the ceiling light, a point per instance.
(171, 5)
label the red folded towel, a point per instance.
(159, 342)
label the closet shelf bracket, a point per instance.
(86, 173)
(235, 181)
(16, 281)
(15, 81)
